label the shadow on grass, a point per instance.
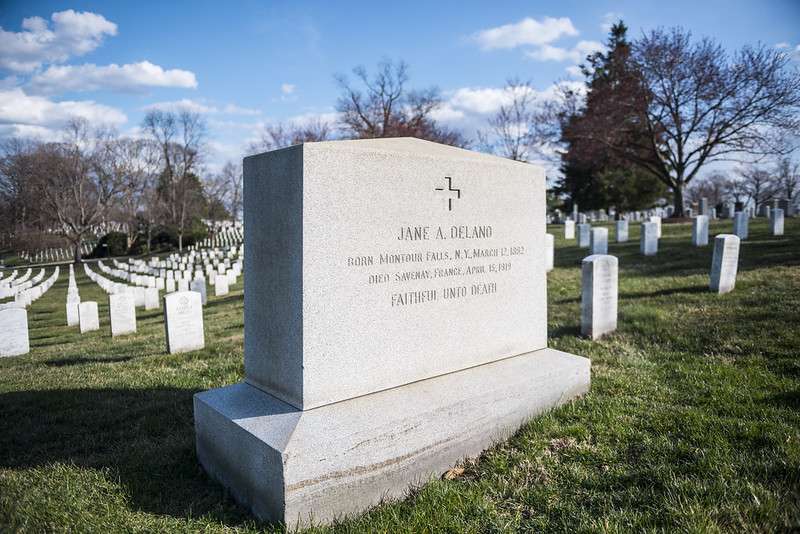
(82, 361)
(145, 437)
(564, 331)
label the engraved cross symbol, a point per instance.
(449, 193)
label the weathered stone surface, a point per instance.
(199, 285)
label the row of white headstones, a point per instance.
(600, 270)
(183, 304)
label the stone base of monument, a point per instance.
(300, 467)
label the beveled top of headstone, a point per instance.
(375, 263)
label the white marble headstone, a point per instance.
(584, 235)
(700, 230)
(183, 321)
(649, 242)
(725, 263)
(122, 313)
(776, 222)
(14, 339)
(598, 241)
(221, 285)
(599, 295)
(88, 316)
(569, 229)
(622, 231)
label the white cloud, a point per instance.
(133, 78)
(73, 34)
(202, 107)
(287, 88)
(526, 32)
(609, 20)
(21, 110)
(577, 54)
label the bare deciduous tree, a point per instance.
(181, 140)
(514, 131)
(282, 135)
(382, 107)
(704, 106)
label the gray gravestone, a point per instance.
(549, 252)
(183, 321)
(122, 313)
(87, 316)
(740, 224)
(14, 332)
(649, 243)
(599, 295)
(584, 235)
(700, 230)
(622, 231)
(776, 222)
(569, 229)
(725, 263)
(357, 381)
(703, 206)
(598, 241)
(200, 287)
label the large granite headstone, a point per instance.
(725, 263)
(700, 230)
(14, 339)
(122, 313)
(183, 321)
(395, 323)
(599, 295)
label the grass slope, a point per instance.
(692, 423)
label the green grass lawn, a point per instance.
(692, 423)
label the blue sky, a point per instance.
(243, 64)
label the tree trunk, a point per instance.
(78, 251)
(679, 190)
